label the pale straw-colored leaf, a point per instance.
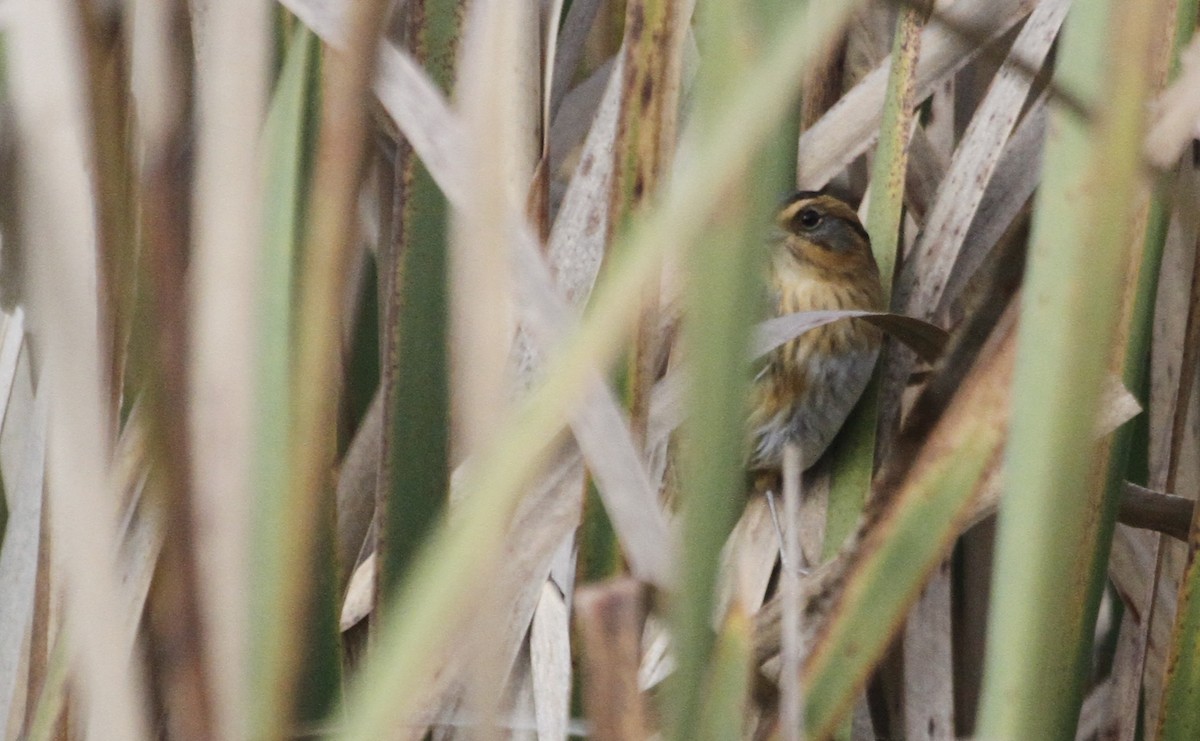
(747, 562)
(1177, 113)
(928, 663)
(550, 659)
(791, 699)
(11, 342)
(231, 79)
(550, 32)
(495, 110)
(360, 594)
(577, 239)
(58, 217)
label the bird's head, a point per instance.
(821, 230)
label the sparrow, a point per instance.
(820, 260)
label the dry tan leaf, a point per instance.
(360, 594)
(1176, 112)
(852, 125)
(747, 562)
(1016, 177)
(1117, 406)
(927, 269)
(578, 236)
(550, 660)
(48, 96)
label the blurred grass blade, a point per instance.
(57, 216)
(855, 450)
(1142, 324)
(105, 46)
(224, 284)
(497, 110)
(721, 299)
(306, 513)
(159, 365)
(288, 137)
(1056, 523)
(728, 683)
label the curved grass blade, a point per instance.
(925, 339)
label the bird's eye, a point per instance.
(808, 218)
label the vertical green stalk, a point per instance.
(723, 285)
(728, 685)
(1056, 522)
(415, 480)
(854, 451)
